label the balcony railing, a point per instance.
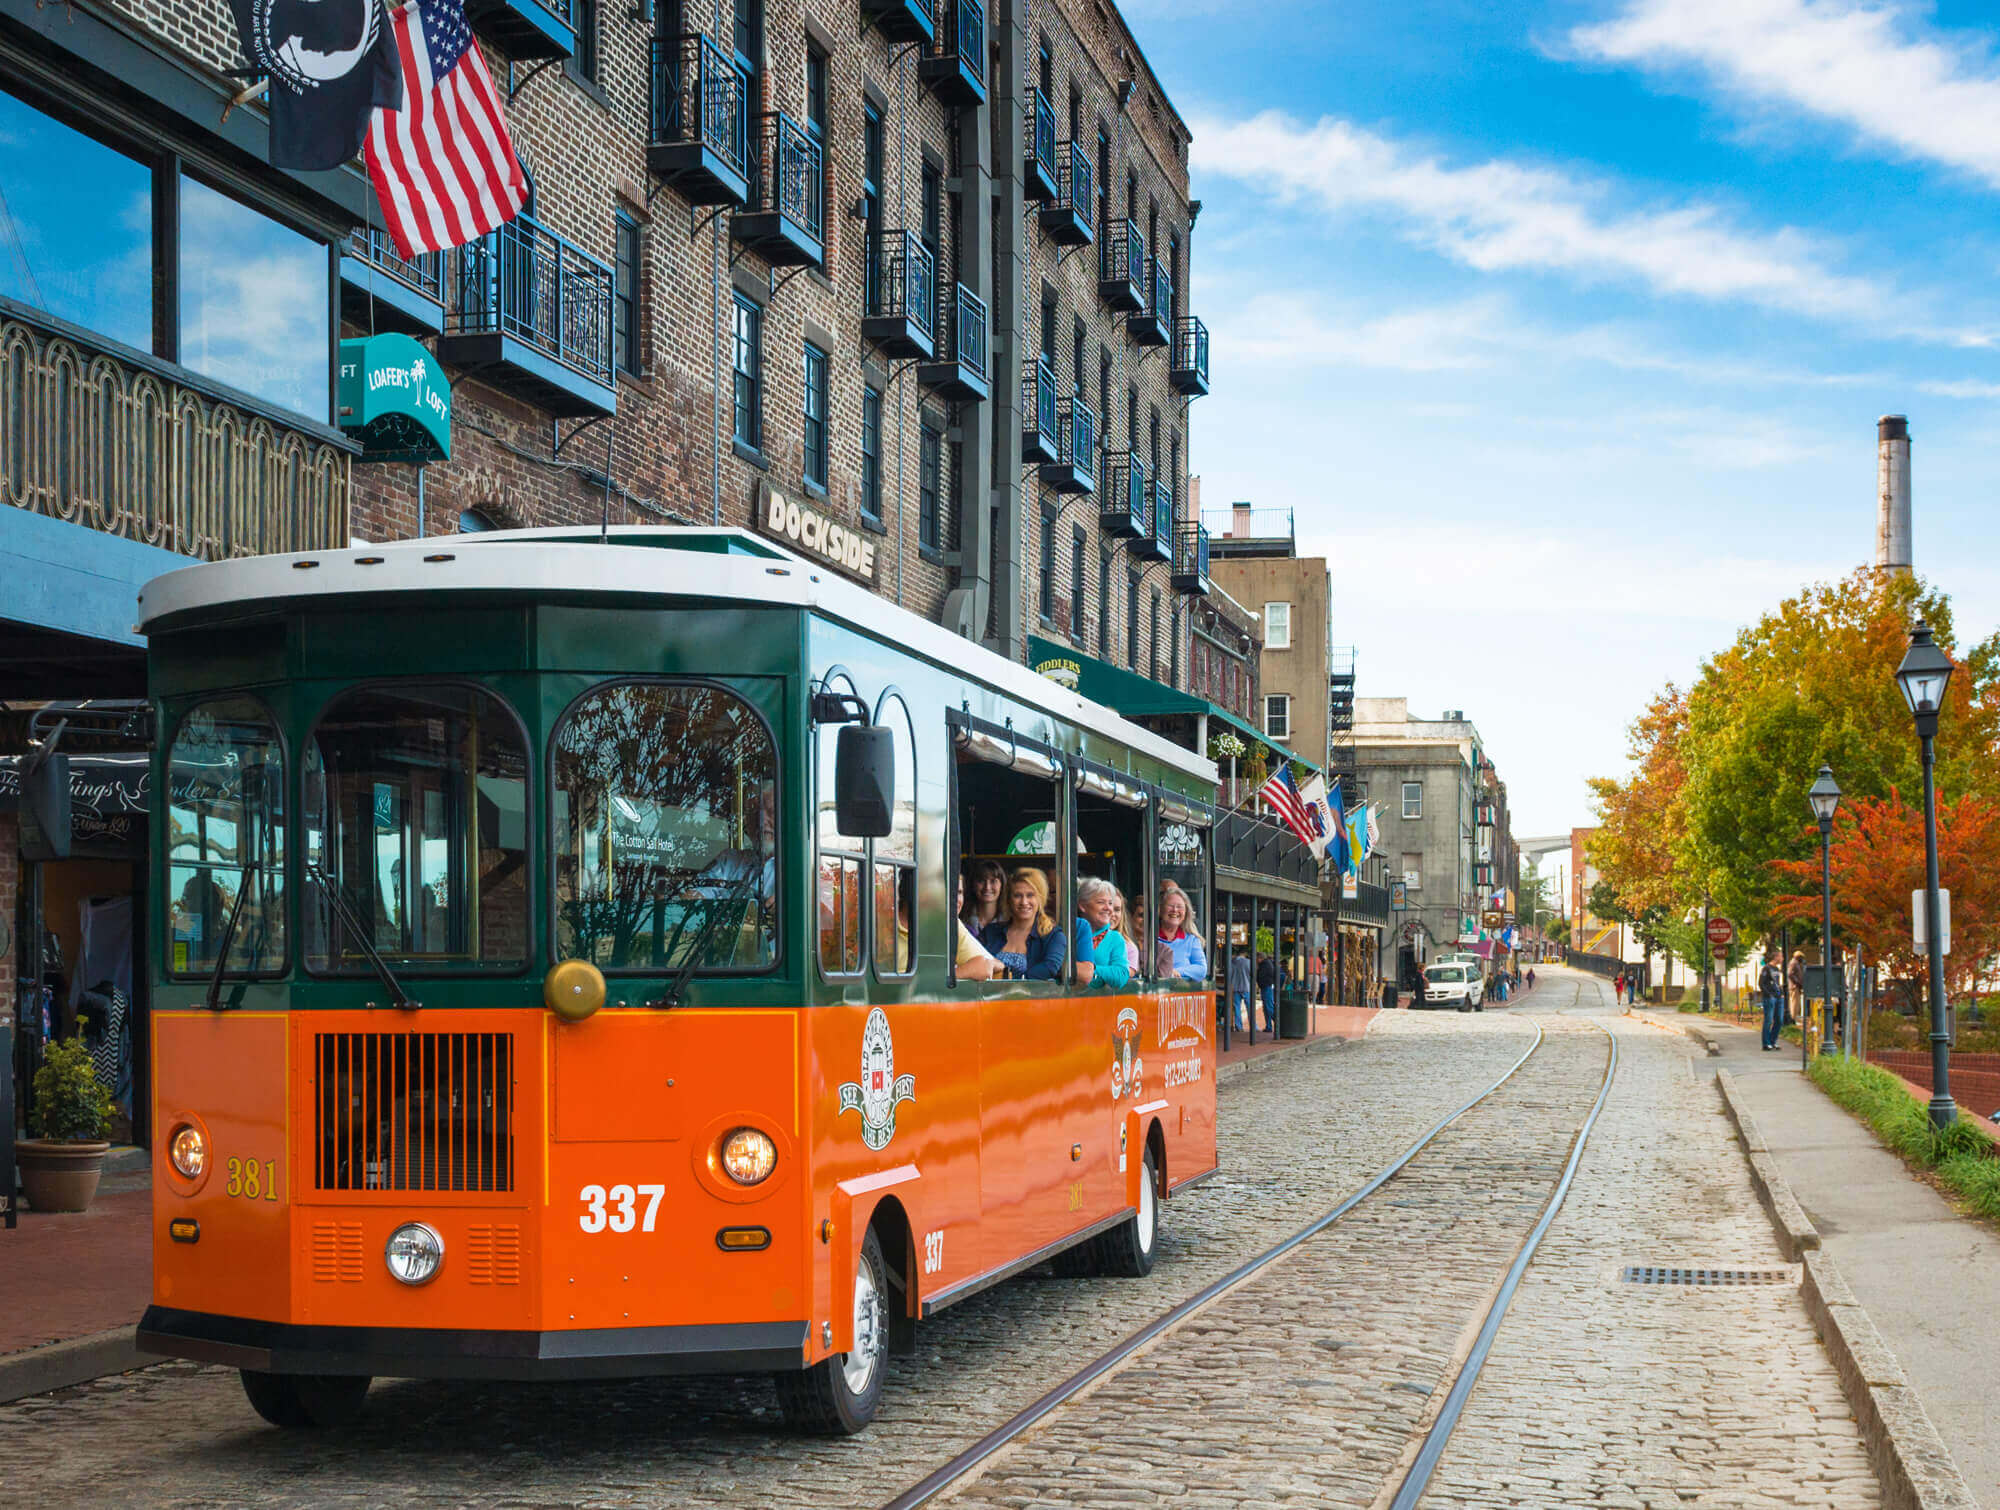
(1041, 434)
(525, 29)
(959, 370)
(94, 439)
(381, 289)
(535, 311)
(1154, 325)
(1067, 217)
(1074, 469)
(900, 20)
(1157, 543)
(956, 68)
(1121, 266)
(696, 144)
(1188, 371)
(902, 295)
(786, 219)
(1190, 573)
(1038, 156)
(1125, 492)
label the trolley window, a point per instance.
(896, 855)
(416, 813)
(666, 839)
(226, 839)
(1181, 864)
(842, 859)
(1008, 809)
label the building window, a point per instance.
(1153, 441)
(1104, 395)
(1048, 593)
(1132, 619)
(815, 416)
(748, 36)
(625, 295)
(748, 346)
(582, 63)
(1174, 472)
(474, 522)
(816, 127)
(1174, 648)
(933, 211)
(1049, 327)
(871, 201)
(1104, 604)
(1413, 799)
(1078, 555)
(930, 485)
(1045, 70)
(1278, 715)
(1153, 636)
(1277, 626)
(871, 452)
(1413, 872)
(1077, 339)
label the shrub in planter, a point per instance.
(60, 1166)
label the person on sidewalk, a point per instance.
(1531, 977)
(1267, 988)
(1618, 988)
(1771, 982)
(1241, 984)
(1795, 980)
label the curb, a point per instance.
(78, 1361)
(1228, 1072)
(1912, 1465)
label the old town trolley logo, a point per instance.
(1127, 1068)
(881, 1090)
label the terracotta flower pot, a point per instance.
(59, 1176)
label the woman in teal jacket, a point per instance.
(1100, 947)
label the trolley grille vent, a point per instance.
(1650, 1275)
(336, 1253)
(414, 1111)
(493, 1255)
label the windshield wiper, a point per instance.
(251, 870)
(699, 947)
(394, 987)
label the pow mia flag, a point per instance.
(331, 63)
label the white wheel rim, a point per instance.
(1147, 1215)
(858, 1367)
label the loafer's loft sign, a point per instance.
(811, 533)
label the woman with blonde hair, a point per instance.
(1025, 938)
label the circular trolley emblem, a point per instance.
(881, 1090)
(1127, 1068)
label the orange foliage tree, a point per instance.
(1878, 860)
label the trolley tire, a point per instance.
(1079, 1261)
(297, 1401)
(822, 1400)
(1128, 1249)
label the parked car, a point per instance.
(1455, 985)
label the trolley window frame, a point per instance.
(959, 720)
(862, 849)
(913, 866)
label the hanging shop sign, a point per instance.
(806, 530)
(108, 797)
(395, 400)
(1399, 896)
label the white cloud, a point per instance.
(1874, 68)
(1290, 331)
(1505, 216)
(1967, 388)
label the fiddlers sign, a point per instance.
(811, 533)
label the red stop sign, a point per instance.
(1721, 932)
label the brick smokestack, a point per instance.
(1892, 493)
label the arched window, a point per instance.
(226, 839)
(841, 859)
(475, 522)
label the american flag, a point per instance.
(444, 167)
(1281, 794)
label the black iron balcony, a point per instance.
(1190, 558)
(381, 289)
(785, 220)
(696, 144)
(1121, 266)
(902, 295)
(1038, 154)
(900, 20)
(956, 68)
(525, 29)
(1074, 469)
(1067, 217)
(1041, 433)
(1123, 512)
(1154, 325)
(960, 370)
(1157, 544)
(533, 317)
(1188, 372)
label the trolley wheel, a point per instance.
(328, 1401)
(838, 1396)
(1128, 1249)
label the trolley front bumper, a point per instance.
(422, 1353)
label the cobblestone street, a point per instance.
(1304, 1386)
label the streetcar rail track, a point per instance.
(928, 1488)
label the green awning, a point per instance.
(395, 399)
(1135, 696)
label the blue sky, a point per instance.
(1564, 327)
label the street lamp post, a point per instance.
(1825, 799)
(1923, 676)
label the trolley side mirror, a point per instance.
(864, 781)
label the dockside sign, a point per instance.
(809, 531)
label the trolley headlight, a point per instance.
(748, 1156)
(189, 1151)
(415, 1253)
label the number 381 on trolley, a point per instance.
(559, 972)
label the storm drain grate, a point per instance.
(1649, 1274)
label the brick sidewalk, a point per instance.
(1329, 1022)
(71, 1276)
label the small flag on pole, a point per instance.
(1319, 809)
(1281, 795)
(444, 166)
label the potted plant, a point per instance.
(61, 1164)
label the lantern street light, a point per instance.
(1923, 676)
(1824, 796)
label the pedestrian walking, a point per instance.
(1267, 988)
(1531, 977)
(1618, 987)
(1240, 986)
(1316, 974)
(1771, 985)
(1795, 981)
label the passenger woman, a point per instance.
(1100, 947)
(1131, 934)
(987, 883)
(972, 961)
(1026, 941)
(1180, 936)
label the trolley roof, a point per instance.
(716, 564)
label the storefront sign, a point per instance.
(1399, 896)
(1468, 928)
(1061, 670)
(811, 533)
(108, 798)
(395, 400)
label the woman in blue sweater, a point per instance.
(1026, 940)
